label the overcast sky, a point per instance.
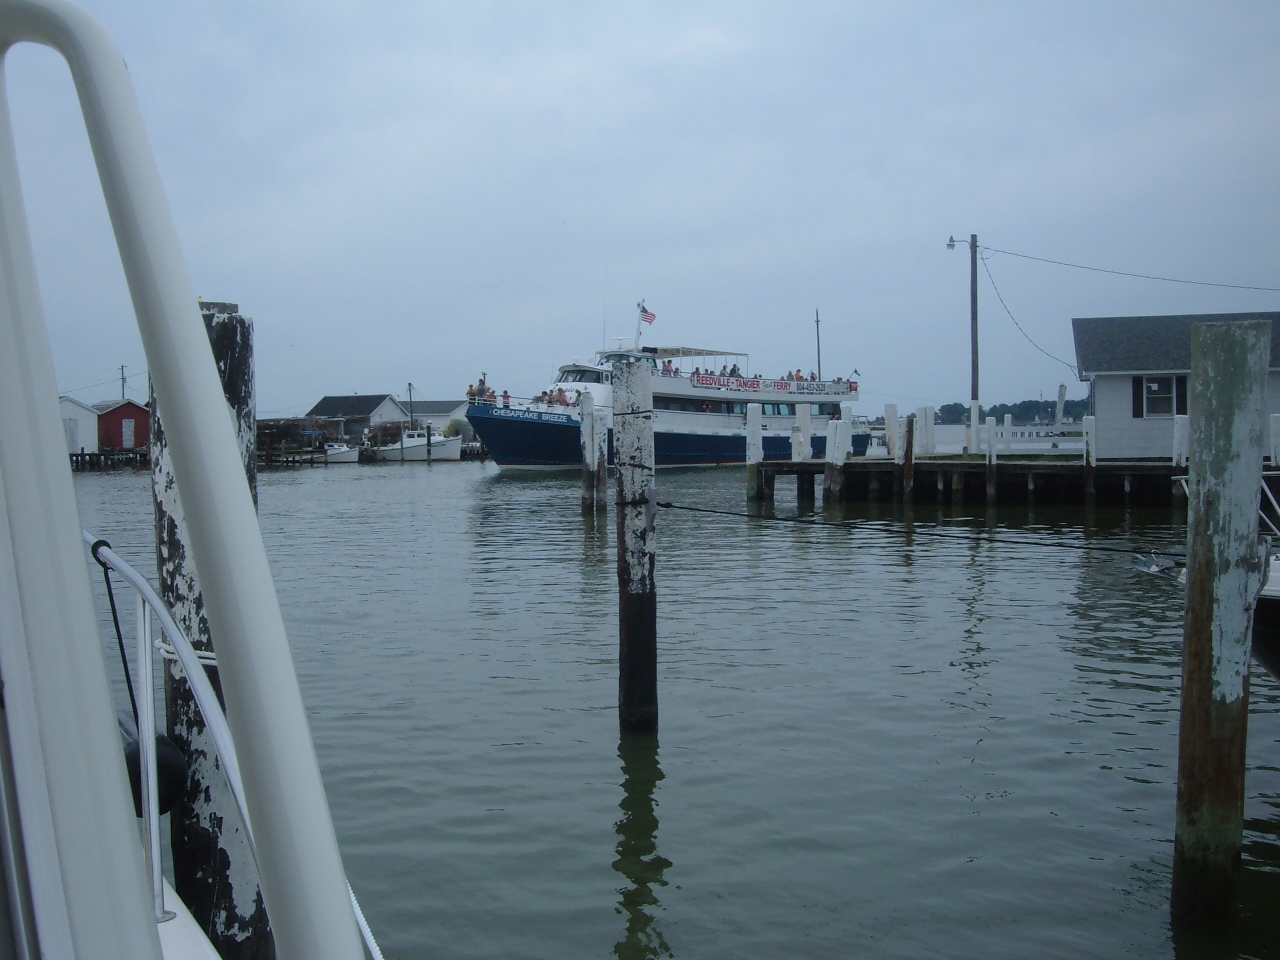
(408, 191)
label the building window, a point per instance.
(1158, 393)
(1159, 396)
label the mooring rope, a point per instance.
(944, 532)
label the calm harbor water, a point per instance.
(877, 740)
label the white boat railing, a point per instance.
(84, 872)
(148, 604)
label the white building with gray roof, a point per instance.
(1137, 369)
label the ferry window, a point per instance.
(770, 409)
(786, 409)
(737, 407)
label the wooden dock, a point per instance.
(966, 480)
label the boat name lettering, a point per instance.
(529, 415)
(777, 386)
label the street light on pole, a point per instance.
(974, 409)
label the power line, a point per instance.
(1124, 273)
(1017, 324)
(103, 383)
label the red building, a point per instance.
(123, 425)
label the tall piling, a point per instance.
(594, 442)
(839, 445)
(636, 507)
(802, 434)
(991, 461)
(1087, 425)
(1225, 566)
(909, 461)
(893, 446)
(755, 451)
(213, 867)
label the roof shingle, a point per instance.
(1150, 344)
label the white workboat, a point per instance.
(341, 453)
(421, 445)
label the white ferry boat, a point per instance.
(699, 414)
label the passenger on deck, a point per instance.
(506, 399)
(724, 370)
(734, 371)
(471, 393)
(812, 376)
(789, 376)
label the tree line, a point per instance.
(1024, 411)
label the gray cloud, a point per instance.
(417, 192)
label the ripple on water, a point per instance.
(878, 739)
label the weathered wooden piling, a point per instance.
(839, 446)
(991, 461)
(909, 460)
(759, 484)
(213, 868)
(1181, 435)
(1090, 456)
(636, 506)
(802, 434)
(1224, 570)
(594, 441)
(926, 444)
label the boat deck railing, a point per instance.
(150, 608)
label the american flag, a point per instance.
(647, 316)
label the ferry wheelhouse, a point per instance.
(699, 415)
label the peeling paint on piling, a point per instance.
(1224, 571)
(636, 510)
(213, 866)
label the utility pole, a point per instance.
(974, 409)
(122, 381)
(973, 317)
(817, 326)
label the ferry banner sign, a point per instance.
(776, 386)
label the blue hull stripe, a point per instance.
(530, 438)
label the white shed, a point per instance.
(79, 425)
(1137, 369)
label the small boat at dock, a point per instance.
(341, 453)
(421, 445)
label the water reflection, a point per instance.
(637, 849)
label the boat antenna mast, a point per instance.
(413, 421)
(817, 329)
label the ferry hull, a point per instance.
(536, 439)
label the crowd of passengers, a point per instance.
(669, 369)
